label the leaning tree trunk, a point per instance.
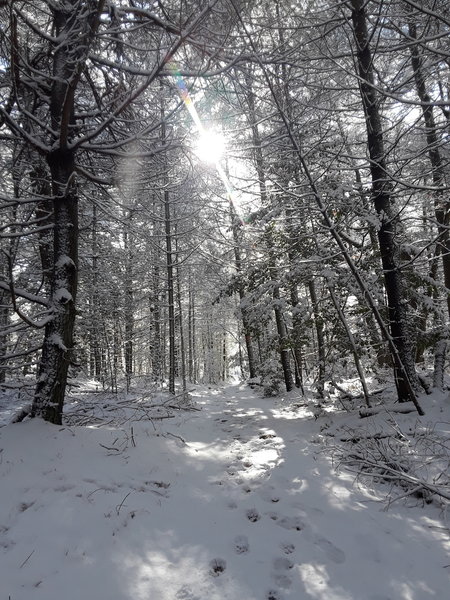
(382, 198)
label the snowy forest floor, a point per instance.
(236, 497)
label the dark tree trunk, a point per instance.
(69, 58)
(169, 257)
(58, 339)
(129, 296)
(382, 197)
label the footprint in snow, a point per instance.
(241, 544)
(332, 552)
(282, 563)
(282, 580)
(253, 515)
(217, 566)
(269, 495)
(64, 488)
(273, 595)
(185, 593)
(291, 523)
(368, 547)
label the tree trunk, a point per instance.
(441, 204)
(382, 197)
(69, 59)
(169, 268)
(318, 322)
(58, 339)
(235, 226)
(354, 348)
(129, 295)
(283, 341)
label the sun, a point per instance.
(210, 146)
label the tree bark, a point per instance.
(382, 197)
(57, 350)
(441, 204)
(68, 62)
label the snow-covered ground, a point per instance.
(237, 501)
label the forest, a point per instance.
(224, 299)
(193, 189)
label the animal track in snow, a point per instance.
(241, 544)
(253, 515)
(217, 566)
(273, 515)
(273, 595)
(287, 547)
(269, 495)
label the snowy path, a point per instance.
(244, 508)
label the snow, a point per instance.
(62, 295)
(237, 501)
(57, 340)
(64, 261)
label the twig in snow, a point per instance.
(121, 504)
(27, 559)
(109, 447)
(177, 436)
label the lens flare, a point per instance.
(210, 147)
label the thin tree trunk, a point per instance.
(190, 333)
(235, 226)
(180, 318)
(283, 341)
(129, 309)
(170, 290)
(318, 323)
(441, 203)
(354, 348)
